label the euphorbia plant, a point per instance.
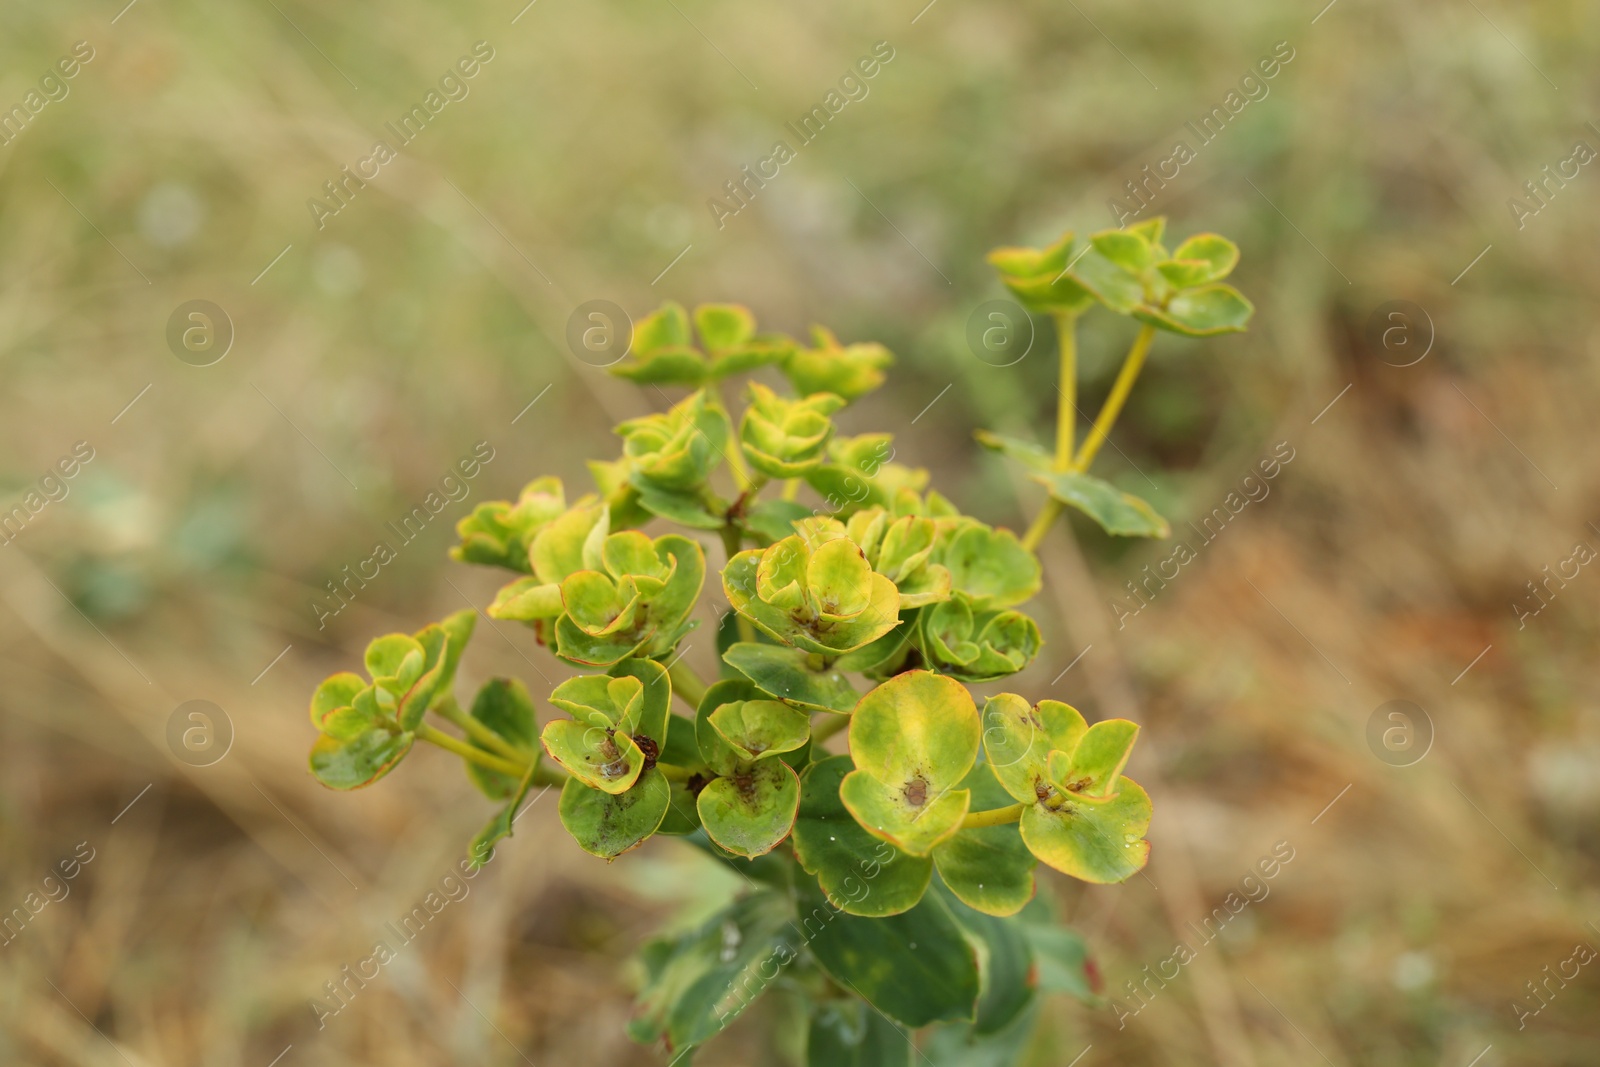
(890, 870)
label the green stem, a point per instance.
(791, 489)
(1041, 525)
(434, 735)
(1119, 395)
(830, 725)
(1067, 411)
(478, 731)
(1065, 459)
(686, 683)
(1066, 422)
(993, 817)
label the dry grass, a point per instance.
(376, 351)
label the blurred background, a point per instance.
(1427, 542)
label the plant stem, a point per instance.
(1041, 525)
(1065, 460)
(435, 736)
(1067, 385)
(830, 725)
(993, 817)
(1120, 389)
(791, 488)
(686, 683)
(478, 731)
(732, 539)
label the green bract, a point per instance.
(499, 533)
(890, 840)
(671, 456)
(1081, 817)
(606, 597)
(618, 725)
(825, 599)
(1129, 271)
(663, 350)
(847, 371)
(976, 646)
(750, 804)
(786, 438)
(367, 728)
(913, 739)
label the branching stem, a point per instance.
(433, 735)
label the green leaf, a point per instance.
(1062, 957)
(1018, 740)
(913, 739)
(858, 873)
(1218, 254)
(885, 654)
(1119, 514)
(1126, 248)
(828, 601)
(988, 868)
(526, 599)
(1201, 312)
(600, 758)
(699, 982)
(1098, 840)
(1005, 965)
(395, 661)
(848, 371)
(504, 706)
(960, 1045)
(756, 729)
(584, 650)
(715, 752)
(723, 326)
(557, 551)
(850, 1033)
(784, 438)
(977, 647)
(1110, 282)
(683, 508)
(1150, 229)
(1099, 757)
(670, 366)
(607, 826)
(656, 689)
(336, 692)
(681, 750)
(358, 761)
(752, 810)
(1027, 453)
(481, 850)
(785, 673)
(773, 520)
(916, 967)
(1040, 278)
(990, 566)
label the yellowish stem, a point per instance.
(993, 817)
(1119, 396)
(435, 736)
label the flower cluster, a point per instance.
(863, 603)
